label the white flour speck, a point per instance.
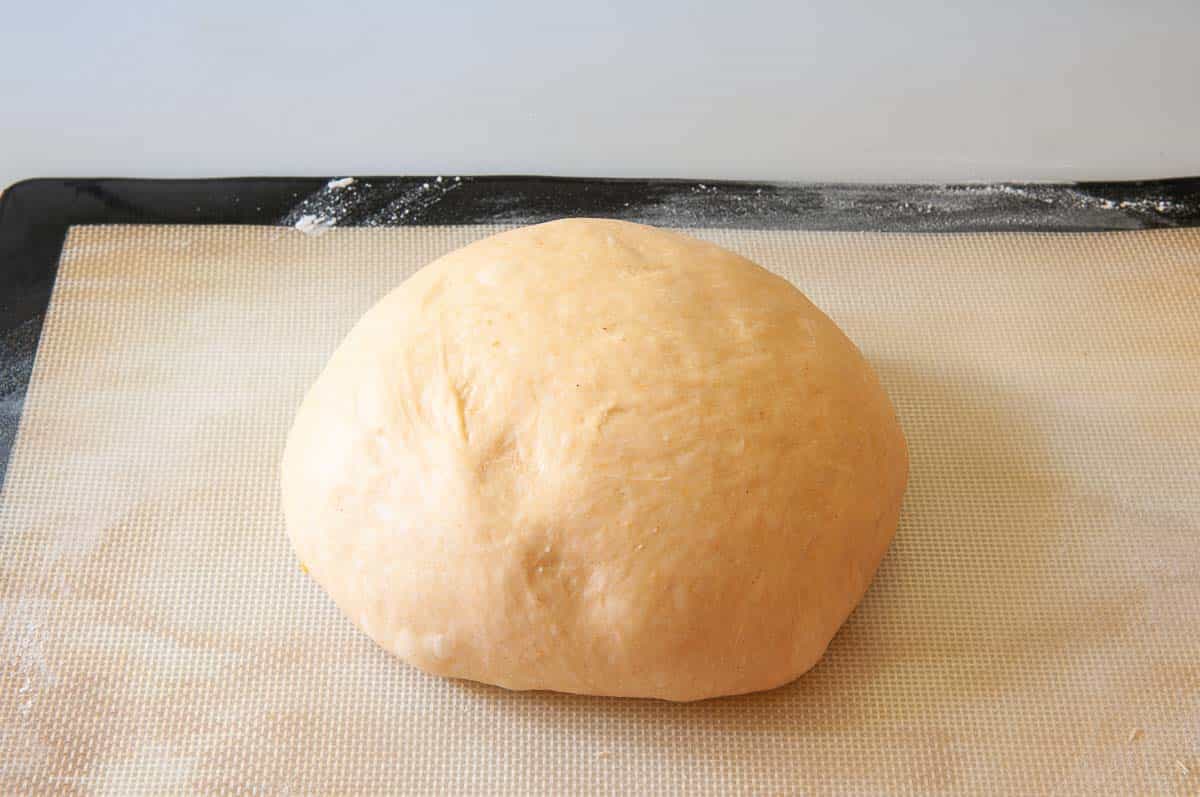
(313, 225)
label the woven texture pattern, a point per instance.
(1035, 627)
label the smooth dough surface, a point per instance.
(596, 457)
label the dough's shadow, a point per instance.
(960, 592)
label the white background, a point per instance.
(906, 90)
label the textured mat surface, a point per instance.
(1035, 627)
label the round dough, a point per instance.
(597, 457)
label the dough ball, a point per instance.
(596, 457)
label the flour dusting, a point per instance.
(313, 225)
(983, 207)
(349, 201)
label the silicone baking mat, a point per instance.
(1035, 627)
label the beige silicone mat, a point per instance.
(1035, 628)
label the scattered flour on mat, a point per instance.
(347, 200)
(883, 208)
(23, 645)
(313, 225)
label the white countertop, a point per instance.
(902, 91)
